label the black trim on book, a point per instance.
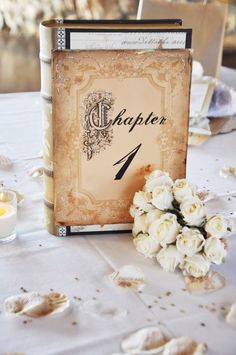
(175, 21)
(188, 32)
(69, 233)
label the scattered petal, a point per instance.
(36, 172)
(231, 316)
(149, 340)
(212, 282)
(228, 171)
(5, 162)
(105, 310)
(26, 303)
(35, 305)
(184, 345)
(128, 276)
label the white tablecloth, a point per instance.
(38, 261)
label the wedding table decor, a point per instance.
(102, 314)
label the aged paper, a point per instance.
(117, 115)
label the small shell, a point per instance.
(105, 310)
(228, 171)
(212, 282)
(30, 303)
(34, 305)
(149, 340)
(231, 316)
(36, 172)
(128, 276)
(184, 346)
(5, 162)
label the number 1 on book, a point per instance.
(127, 159)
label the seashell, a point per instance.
(212, 282)
(105, 310)
(231, 316)
(128, 276)
(36, 172)
(35, 305)
(5, 162)
(184, 346)
(228, 171)
(149, 340)
(29, 303)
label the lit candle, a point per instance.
(8, 211)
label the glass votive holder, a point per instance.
(8, 213)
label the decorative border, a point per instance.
(60, 36)
(67, 231)
(188, 31)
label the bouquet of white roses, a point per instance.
(171, 224)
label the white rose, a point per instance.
(156, 178)
(162, 197)
(165, 229)
(169, 258)
(183, 189)
(139, 224)
(196, 265)
(142, 200)
(193, 211)
(153, 215)
(146, 245)
(190, 241)
(216, 226)
(215, 250)
(133, 211)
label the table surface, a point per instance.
(39, 262)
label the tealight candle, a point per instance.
(8, 212)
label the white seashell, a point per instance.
(228, 171)
(128, 276)
(105, 310)
(30, 303)
(34, 305)
(231, 316)
(149, 340)
(184, 346)
(36, 172)
(5, 162)
(212, 282)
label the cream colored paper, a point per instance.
(86, 189)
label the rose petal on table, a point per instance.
(212, 282)
(228, 171)
(36, 172)
(5, 162)
(184, 345)
(148, 340)
(231, 316)
(35, 305)
(128, 276)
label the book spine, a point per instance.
(46, 46)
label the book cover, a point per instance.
(117, 115)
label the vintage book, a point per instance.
(110, 117)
